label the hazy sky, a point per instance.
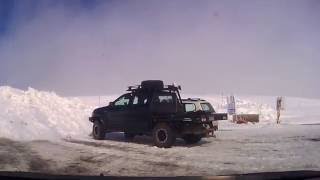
(100, 47)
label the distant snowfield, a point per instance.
(33, 114)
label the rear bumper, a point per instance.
(205, 130)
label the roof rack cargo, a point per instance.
(153, 85)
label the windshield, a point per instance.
(207, 107)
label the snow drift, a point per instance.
(32, 114)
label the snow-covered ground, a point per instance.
(41, 129)
(234, 151)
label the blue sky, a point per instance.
(99, 47)
(8, 8)
(5, 11)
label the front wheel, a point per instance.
(191, 138)
(98, 130)
(163, 135)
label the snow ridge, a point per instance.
(33, 114)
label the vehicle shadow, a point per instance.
(147, 140)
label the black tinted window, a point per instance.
(164, 99)
(140, 100)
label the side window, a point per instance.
(164, 99)
(123, 101)
(135, 100)
(140, 100)
(143, 100)
(190, 107)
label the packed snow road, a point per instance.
(243, 149)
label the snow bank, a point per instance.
(32, 114)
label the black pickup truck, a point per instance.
(156, 110)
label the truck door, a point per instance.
(139, 114)
(119, 112)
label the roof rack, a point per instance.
(172, 87)
(155, 85)
(133, 88)
(166, 87)
(194, 99)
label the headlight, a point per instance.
(203, 119)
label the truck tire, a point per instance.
(98, 131)
(191, 138)
(163, 135)
(128, 136)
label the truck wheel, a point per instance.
(163, 135)
(98, 131)
(191, 138)
(129, 136)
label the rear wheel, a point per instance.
(163, 135)
(191, 138)
(98, 130)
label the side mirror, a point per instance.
(111, 103)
